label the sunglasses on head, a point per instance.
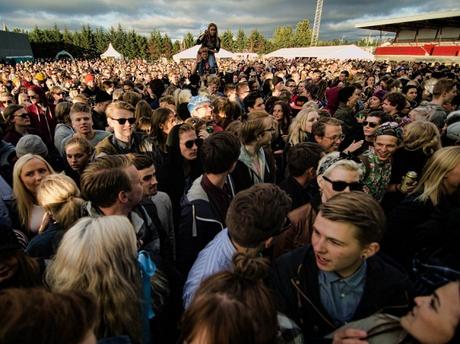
(189, 144)
(370, 124)
(122, 121)
(338, 185)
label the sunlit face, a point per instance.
(278, 112)
(82, 122)
(203, 111)
(411, 94)
(374, 102)
(259, 105)
(370, 125)
(21, 118)
(337, 174)
(212, 30)
(332, 138)
(385, 146)
(123, 131)
(135, 195)
(8, 267)
(434, 318)
(186, 139)
(388, 108)
(149, 181)
(313, 117)
(336, 246)
(267, 135)
(32, 174)
(76, 157)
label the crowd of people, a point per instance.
(264, 201)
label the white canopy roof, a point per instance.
(340, 52)
(111, 52)
(191, 53)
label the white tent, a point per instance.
(340, 52)
(111, 53)
(191, 53)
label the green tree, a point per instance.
(283, 37)
(55, 34)
(101, 41)
(302, 36)
(141, 47)
(166, 47)
(188, 41)
(67, 36)
(176, 47)
(256, 42)
(241, 41)
(87, 39)
(155, 45)
(36, 35)
(119, 38)
(227, 40)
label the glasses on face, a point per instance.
(9, 102)
(338, 185)
(272, 130)
(336, 137)
(122, 121)
(23, 115)
(370, 124)
(189, 144)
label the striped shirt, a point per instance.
(215, 257)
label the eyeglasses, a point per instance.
(338, 185)
(370, 124)
(122, 121)
(336, 137)
(189, 144)
(23, 115)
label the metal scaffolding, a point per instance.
(317, 22)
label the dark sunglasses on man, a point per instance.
(370, 124)
(338, 185)
(189, 144)
(122, 121)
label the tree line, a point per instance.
(94, 41)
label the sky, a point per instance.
(176, 17)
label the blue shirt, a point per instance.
(215, 257)
(341, 296)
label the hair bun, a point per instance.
(250, 266)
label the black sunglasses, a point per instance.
(23, 115)
(370, 124)
(189, 144)
(338, 185)
(122, 121)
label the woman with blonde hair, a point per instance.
(301, 126)
(59, 196)
(436, 192)
(28, 172)
(99, 256)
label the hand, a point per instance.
(354, 146)
(350, 336)
(203, 134)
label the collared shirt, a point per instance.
(215, 257)
(341, 296)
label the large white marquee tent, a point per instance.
(191, 53)
(340, 52)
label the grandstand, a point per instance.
(430, 36)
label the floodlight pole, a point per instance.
(316, 23)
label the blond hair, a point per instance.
(59, 195)
(297, 125)
(24, 198)
(422, 135)
(98, 255)
(431, 184)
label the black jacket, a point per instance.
(295, 282)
